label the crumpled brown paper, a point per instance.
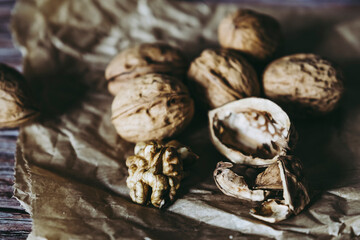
(70, 169)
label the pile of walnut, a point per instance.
(152, 103)
(156, 170)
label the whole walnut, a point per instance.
(17, 107)
(221, 76)
(304, 83)
(142, 59)
(255, 34)
(152, 106)
(157, 169)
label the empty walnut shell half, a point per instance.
(17, 107)
(152, 106)
(221, 76)
(304, 83)
(255, 34)
(143, 59)
(280, 188)
(156, 171)
(253, 131)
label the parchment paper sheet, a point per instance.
(70, 171)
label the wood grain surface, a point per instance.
(15, 222)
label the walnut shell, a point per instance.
(252, 131)
(17, 107)
(152, 106)
(143, 59)
(304, 82)
(280, 187)
(295, 194)
(221, 76)
(255, 34)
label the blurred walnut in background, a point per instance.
(16, 105)
(254, 34)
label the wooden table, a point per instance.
(15, 223)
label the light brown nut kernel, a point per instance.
(142, 59)
(304, 84)
(255, 34)
(157, 168)
(17, 107)
(152, 106)
(252, 131)
(221, 76)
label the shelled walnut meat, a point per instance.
(252, 131)
(152, 106)
(305, 83)
(221, 76)
(142, 59)
(157, 169)
(254, 34)
(17, 107)
(280, 187)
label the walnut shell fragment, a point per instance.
(235, 185)
(221, 76)
(17, 107)
(252, 131)
(142, 59)
(304, 83)
(295, 194)
(255, 34)
(277, 203)
(157, 169)
(152, 106)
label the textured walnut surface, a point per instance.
(142, 59)
(255, 34)
(304, 82)
(152, 106)
(16, 106)
(157, 169)
(220, 76)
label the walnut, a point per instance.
(304, 83)
(157, 169)
(17, 107)
(143, 59)
(251, 131)
(152, 106)
(252, 33)
(280, 188)
(221, 76)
